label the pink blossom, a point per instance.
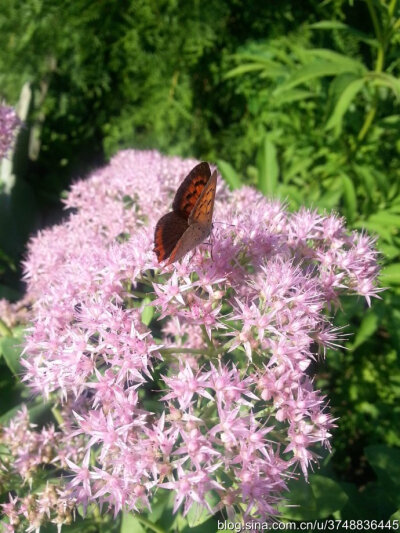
(9, 122)
(188, 400)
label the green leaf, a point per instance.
(328, 494)
(198, 514)
(254, 62)
(269, 68)
(350, 198)
(382, 78)
(344, 63)
(130, 524)
(391, 275)
(163, 499)
(147, 312)
(326, 63)
(308, 73)
(395, 516)
(367, 328)
(244, 69)
(386, 219)
(389, 251)
(36, 412)
(328, 25)
(332, 194)
(384, 232)
(386, 463)
(300, 501)
(11, 348)
(299, 167)
(268, 168)
(5, 331)
(368, 179)
(381, 180)
(336, 25)
(294, 95)
(315, 500)
(343, 103)
(229, 174)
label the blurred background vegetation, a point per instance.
(300, 99)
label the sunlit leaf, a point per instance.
(369, 181)
(317, 69)
(268, 167)
(366, 329)
(244, 69)
(148, 311)
(229, 174)
(130, 523)
(343, 62)
(350, 197)
(291, 96)
(391, 275)
(251, 63)
(198, 514)
(385, 218)
(342, 105)
(337, 25)
(11, 348)
(382, 78)
(374, 228)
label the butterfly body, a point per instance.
(190, 222)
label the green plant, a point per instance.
(325, 125)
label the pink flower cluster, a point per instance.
(25, 451)
(193, 377)
(9, 121)
(13, 314)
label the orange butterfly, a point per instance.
(190, 220)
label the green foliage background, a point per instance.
(300, 99)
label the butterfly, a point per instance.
(190, 220)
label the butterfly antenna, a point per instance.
(222, 222)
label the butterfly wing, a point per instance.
(203, 209)
(199, 224)
(189, 223)
(191, 189)
(169, 230)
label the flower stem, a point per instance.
(207, 338)
(167, 351)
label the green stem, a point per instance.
(367, 122)
(57, 415)
(374, 19)
(207, 338)
(167, 351)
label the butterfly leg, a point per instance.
(211, 243)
